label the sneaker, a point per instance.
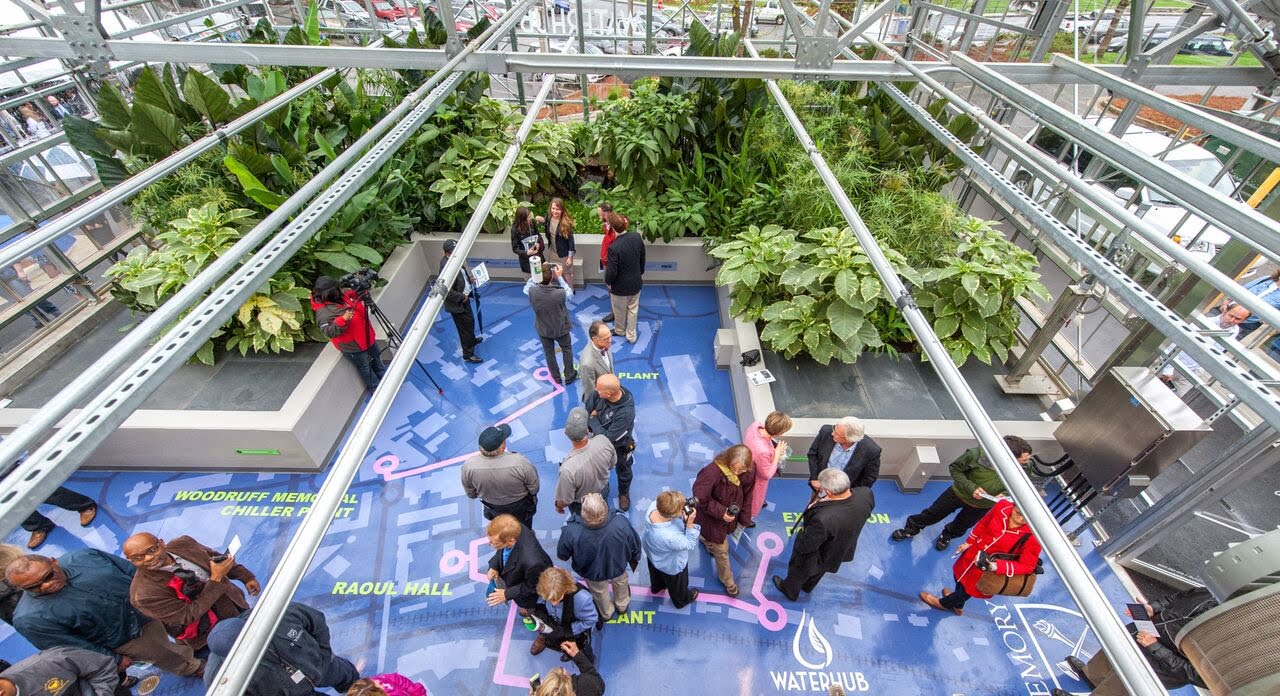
(901, 534)
(942, 542)
(148, 685)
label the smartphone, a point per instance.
(535, 681)
(1142, 620)
(493, 587)
(232, 549)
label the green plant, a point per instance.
(972, 297)
(639, 138)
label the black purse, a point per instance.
(750, 357)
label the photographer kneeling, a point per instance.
(342, 316)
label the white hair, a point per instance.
(833, 481)
(852, 428)
(594, 510)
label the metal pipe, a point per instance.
(1125, 656)
(181, 19)
(1246, 224)
(259, 629)
(40, 474)
(118, 194)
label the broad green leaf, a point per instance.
(975, 334)
(113, 108)
(205, 354)
(945, 326)
(844, 319)
(870, 288)
(970, 282)
(207, 97)
(155, 126)
(287, 302)
(148, 91)
(339, 260)
(364, 252)
(846, 284)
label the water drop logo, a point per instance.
(816, 640)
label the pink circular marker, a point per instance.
(453, 562)
(386, 464)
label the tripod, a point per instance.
(394, 337)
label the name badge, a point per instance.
(297, 676)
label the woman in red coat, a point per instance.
(997, 532)
(723, 489)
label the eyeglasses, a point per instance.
(146, 553)
(35, 586)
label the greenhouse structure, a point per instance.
(284, 282)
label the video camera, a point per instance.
(359, 282)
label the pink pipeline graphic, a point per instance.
(386, 465)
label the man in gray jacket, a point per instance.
(63, 671)
(585, 469)
(505, 482)
(596, 358)
(551, 319)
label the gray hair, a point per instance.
(852, 428)
(833, 481)
(594, 510)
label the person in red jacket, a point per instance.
(1002, 530)
(344, 319)
(390, 684)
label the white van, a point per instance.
(770, 11)
(1189, 160)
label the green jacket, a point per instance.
(971, 471)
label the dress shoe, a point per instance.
(86, 516)
(570, 380)
(901, 535)
(931, 600)
(37, 538)
(733, 591)
(777, 582)
(600, 622)
(148, 685)
(945, 593)
(619, 334)
(624, 502)
(1077, 666)
(607, 318)
(539, 644)
(693, 595)
(479, 340)
(750, 525)
(942, 542)
(472, 359)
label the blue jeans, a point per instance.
(368, 363)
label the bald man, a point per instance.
(612, 411)
(179, 584)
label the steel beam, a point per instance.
(287, 575)
(1126, 658)
(864, 23)
(1245, 223)
(1265, 148)
(182, 18)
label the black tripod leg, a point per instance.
(395, 339)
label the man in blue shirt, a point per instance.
(667, 546)
(601, 546)
(82, 601)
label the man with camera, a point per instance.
(670, 533)
(457, 302)
(548, 294)
(342, 316)
(830, 533)
(186, 585)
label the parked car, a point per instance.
(725, 23)
(347, 9)
(385, 10)
(1189, 160)
(557, 6)
(1202, 45)
(770, 11)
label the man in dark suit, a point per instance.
(514, 569)
(845, 446)
(830, 534)
(457, 302)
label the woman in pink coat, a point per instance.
(387, 685)
(1002, 530)
(766, 452)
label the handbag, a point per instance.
(993, 584)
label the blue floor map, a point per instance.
(400, 575)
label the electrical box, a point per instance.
(1128, 430)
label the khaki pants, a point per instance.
(599, 590)
(1100, 673)
(625, 309)
(154, 646)
(720, 552)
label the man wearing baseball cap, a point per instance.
(457, 302)
(585, 469)
(505, 482)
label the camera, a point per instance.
(984, 561)
(359, 282)
(690, 504)
(734, 510)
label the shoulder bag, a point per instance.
(992, 583)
